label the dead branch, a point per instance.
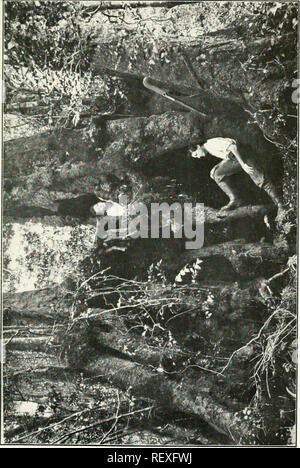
(92, 426)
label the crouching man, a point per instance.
(234, 163)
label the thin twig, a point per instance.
(115, 422)
(58, 423)
(91, 426)
(249, 342)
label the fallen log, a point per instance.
(249, 260)
(137, 349)
(46, 306)
(136, 79)
(228, 74)
(239, 248)
(29, 344)
(188, 436)
(185, 396)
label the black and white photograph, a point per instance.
(149, 226)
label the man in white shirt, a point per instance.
(233, 163)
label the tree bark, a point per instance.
(28, 344)
(219, 61)
(77, 167)
(47, 305)
(185, 397)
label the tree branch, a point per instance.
(120, 5)
(91, 426)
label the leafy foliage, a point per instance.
(45, 254)
(47, 34)
(48, 52)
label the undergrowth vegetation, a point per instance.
(173, 317)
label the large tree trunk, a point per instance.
(142, 149)
(215, 64)
(186, 396)
(142, 379)
(77, 164)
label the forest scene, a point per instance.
(121, 339)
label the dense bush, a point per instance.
(47, 34)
